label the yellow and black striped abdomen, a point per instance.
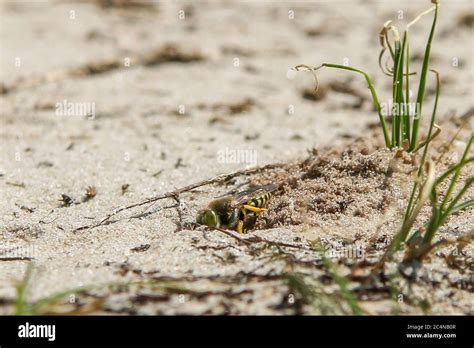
(260, 201)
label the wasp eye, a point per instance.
(207, 217)
(210, 218)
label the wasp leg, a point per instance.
(240, 227)
(249, 221)
(254, 209)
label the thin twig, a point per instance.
(19, 258)
(256, 239)
(172, 194)
(179, 209)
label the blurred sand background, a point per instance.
(174, 84)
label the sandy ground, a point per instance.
(182, 92)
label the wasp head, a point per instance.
(207, 217)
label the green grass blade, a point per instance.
(452, 169)
(346, 293)
(399, 98)
(434, 222)
(409, 209)
(462, 206)
(406, 123)
(458, 197)
(422, 85)
(395, 90)
(21, 305)
(375, 98)
(424, 195)
(457, 172)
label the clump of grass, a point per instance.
(57, 303)
(406, 123)
(312, 295)
(342, 302)
(420, 241)
(325, 303)
(426, 189)
(21, 291)
(44, 305)
(404, 134)
(346, 294)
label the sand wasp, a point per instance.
(238, 211)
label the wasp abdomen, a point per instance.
(261, 201)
